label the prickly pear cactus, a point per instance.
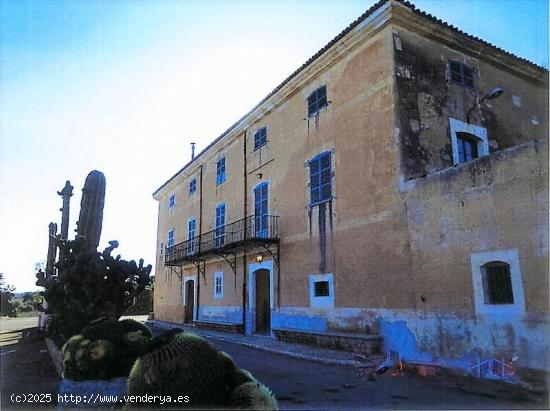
(91, 208)
(178, 362)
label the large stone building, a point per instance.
(395, 185)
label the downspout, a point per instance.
(245, 228)
(200, 234)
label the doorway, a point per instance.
(189, 301)
(262, 301)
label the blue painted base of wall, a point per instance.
(229, 314)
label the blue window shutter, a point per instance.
(320, 178)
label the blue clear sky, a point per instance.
(125, 86)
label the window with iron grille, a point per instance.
(220, 171)
(260, 138)
(192, 186)
(317, 100)
(320, 178)
(497, 283)
(466, 147)
(220, 225)
(321, 289)
(461, 74)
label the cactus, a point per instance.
(105, 350)
(90, 219)
(253, 395)
(179, 362)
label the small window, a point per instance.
(218, 285)
(220, 226)
(321, 289)
(170, 239)
(466, 147)
(220, 171)
(320, 178)
(172, 202)
(317, 100)
(461, 74)
(161, 248)
(497, 283)
(192, 186)
(260, 138)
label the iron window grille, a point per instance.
(192, 186)
(317, 100)
(320, 178)
(220, 171)
(260, 138)
(466, 147)
(497, 283)
(461, 74)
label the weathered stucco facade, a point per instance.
(399, 242)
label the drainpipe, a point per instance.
(200, 234)
(245, 229)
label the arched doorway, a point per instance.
(262, 301)
(189, 301)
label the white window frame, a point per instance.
(218, 276)
(325, 301)
(480, 133)
(511, 257)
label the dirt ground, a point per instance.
(26, 368)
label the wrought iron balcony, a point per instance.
(233, 237)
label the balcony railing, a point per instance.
(230, 237)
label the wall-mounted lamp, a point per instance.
(259, 175)
(491, 95)
(259, 258)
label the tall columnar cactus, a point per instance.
(91, 209)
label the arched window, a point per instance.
(497, 283)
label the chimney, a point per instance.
(192, 151)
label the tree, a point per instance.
(6, 290)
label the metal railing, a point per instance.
(252, 228)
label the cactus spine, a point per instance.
(91, 209)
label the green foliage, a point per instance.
(143, 303)
(7, 306)
(105, 350)
(178, 362)
(89, 286)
